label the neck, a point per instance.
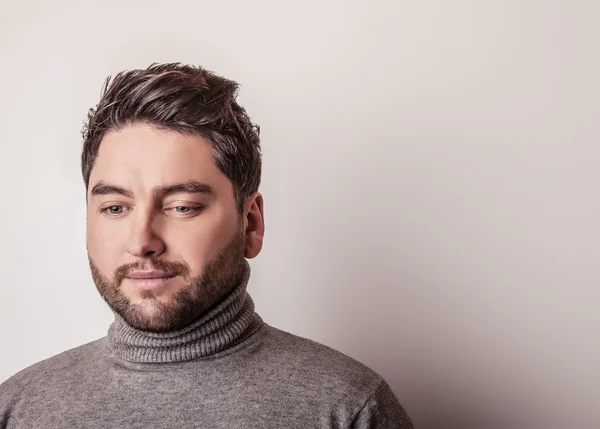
(227, 324)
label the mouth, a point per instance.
(145, 282)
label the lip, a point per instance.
(149, 275)
(149, 280)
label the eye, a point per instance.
(186, 209)
(113, 210)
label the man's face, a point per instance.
(159, 207)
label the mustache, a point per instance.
(174, 268)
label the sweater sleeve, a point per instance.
(382, 411)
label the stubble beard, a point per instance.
(217, 279)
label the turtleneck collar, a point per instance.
(224, 326)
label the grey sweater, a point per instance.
(226, 370)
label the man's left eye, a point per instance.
(185, 209)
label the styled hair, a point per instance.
(183, 98)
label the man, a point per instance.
(172, 165)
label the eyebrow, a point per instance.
(159, 192)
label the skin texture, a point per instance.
(199, 237)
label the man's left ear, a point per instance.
(254, 224)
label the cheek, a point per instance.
(196, 246)
(201, 243)
(102, 246)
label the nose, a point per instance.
(144, 241)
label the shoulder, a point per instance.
(320, 380)
(47, 370)
(297, 357)
(39, 383)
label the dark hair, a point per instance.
(184, 98)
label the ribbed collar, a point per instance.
(226, 325)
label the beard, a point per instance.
(217, 279)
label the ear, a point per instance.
(254, 225)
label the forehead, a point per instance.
(141, 157)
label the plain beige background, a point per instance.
(430, 180)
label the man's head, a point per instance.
(172, 166)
